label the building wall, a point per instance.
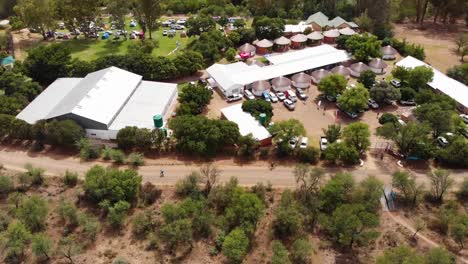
(315, 26)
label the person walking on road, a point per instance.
(161, 174)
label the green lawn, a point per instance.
(90, 49)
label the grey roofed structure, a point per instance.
(336, 22)
(317, 75)
(264, 43)
(388, 52)
(318, 18)
(299, 38)
(282, 41)
(357, 68)
(347, 31)
(342, 70)
(332, 33)
(378, 63)
(103, 101)
(281, 83)
(247, 48)
(315, 36)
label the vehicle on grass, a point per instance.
(464, 132)
(293, 142)
(59, 35)
(273, 97)
(291, 95)
(233, 97)
(266, 96)
(249, 95)
(164, 33)
(323, 143)
(443, 142)
(281, 96)
(304, 142)
(289, 104)
(301, 94)
(395, 83)
(464, 117)
(373, 104)
(401, 122)
(166, 23)
(61, 25)
(408, 102)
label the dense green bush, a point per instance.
(118, 213)
(235, 246)
(388, 118)
(136, 159)
(149, 193)
(257, 107)
(6, 185)
(33, 213)
(143, 223)
(301, 251)
(308, 155)
(70, 179)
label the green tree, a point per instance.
(406, 185)
(15, 240)
(280, 253)
(382, 91)
(118, 9)
(456, 153)
(400, 254)
(441, 182)
(143, 223)
(77, 16)
(364, 47)
(268, 28)
(350, 224)
(332, 133)
(309, 154)
(147, 12)
(188, 62)
(6, 185)
(68, 213)
(244, 210)
(197, 97)
(301, 251)
(459, 232)
(367, 78)
(438, 117)
(198, 135)
(42, 245)
(388, 118)
(231, 54)
(36, 14)
(341, 152)
(332, 85)
(354, 99)
(177, 233)
(357, 135)
(199, 24)
(64, 133)
(111, 184)
(288, 220)
(415, 78)
(45, 64)
(118, 213)
(368, 193)
(257, 107)
(337, 191)
(439, 256)
(459, 73)
(235, 246)
(284, 131)
(33, 213)
(247, 145)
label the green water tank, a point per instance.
(158, 121)
(262, 118)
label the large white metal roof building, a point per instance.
(231, 78)
(247, 123)
(441, 82)
(103, 102)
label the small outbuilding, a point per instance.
(347, 31)
(314, 38)
(248, 49)
(357, 68)
(282, 44)
(298, 41)
(264, 46)
(378, 66)
(259, 87)
(341, 70)
(281, 84)
(318, 75)
(388, 52)
(330, 36)
(301, 80)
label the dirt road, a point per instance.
(280, 176)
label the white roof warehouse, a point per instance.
(103, 102)
(441, 82)
(231, 78)
(247, 123)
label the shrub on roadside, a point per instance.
(149, 193)
(70, 179)
(6, 185)
(308, 155)
(118, 213)
(118, 156)
(136, 159)
(143, 223)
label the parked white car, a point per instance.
(280, 96)
(249, 95)
(289, 104)
(273, 97)
(323, 143)
(443, 142)
(293, 142)
(464, 117)
(304, 142)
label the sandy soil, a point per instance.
(437, 39)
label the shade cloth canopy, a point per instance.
(388, 50)
(299, 38)
(301, 78)
(332, 33)
(359, 67)
(247, 48)
(342, 70)
(347, 31)
(281, 81)
(319, 74)
(264, 43)
(261, 86)
(282, 41)
(315, 36)
(378, 63)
